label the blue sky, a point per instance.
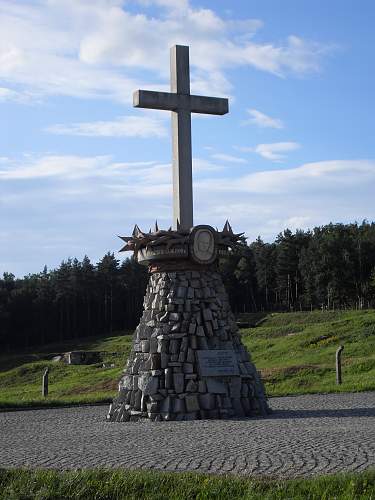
(79, 165)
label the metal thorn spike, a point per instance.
(137, 233)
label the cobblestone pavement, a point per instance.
(305, 435)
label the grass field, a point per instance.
(295, 353)
(104, 485)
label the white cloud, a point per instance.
(7, 94)
(124, 126)
(201, 165)
(68, 166)
(272, 151)
(296, 56)
(78, 204)
(262, 120)
(228, 158)
(319, 176)
(94, 49)
(269, 201)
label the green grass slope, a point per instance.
(21, 374)
(137, 485)
(295, 353)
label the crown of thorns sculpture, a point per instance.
(169, 238)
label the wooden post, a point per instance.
(45, 383)
(338, 364)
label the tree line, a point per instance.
(331, 266)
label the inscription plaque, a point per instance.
(216, 363)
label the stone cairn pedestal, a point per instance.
(187, 360)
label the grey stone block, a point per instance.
(127, 382)
(208, 329)
(237, 407)
(235, 387)
(137, 400)
(179, 406)
(153, 407)
(192, 328)
(153, 345)
(178, 382)
(193, 342)
(202, 343)
(202, 387)
(200, 331)
(207, 401)
(188, 368)
(164, 359)
(190, 357)
(182, 356)
(215, 386)
(168, 378)
(165, 405)
(192, 403)
(155, 361)
(174, 346)
(191, 386)
(226, 402)
(162, 345)
(148, 384)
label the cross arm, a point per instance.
(172, 102)
(208, 105)
(155, 100)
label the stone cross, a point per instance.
(182, 104)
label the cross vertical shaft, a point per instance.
(181, 142)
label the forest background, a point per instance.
(329, 267)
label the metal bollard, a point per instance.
(338, 364)
(45, 383)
